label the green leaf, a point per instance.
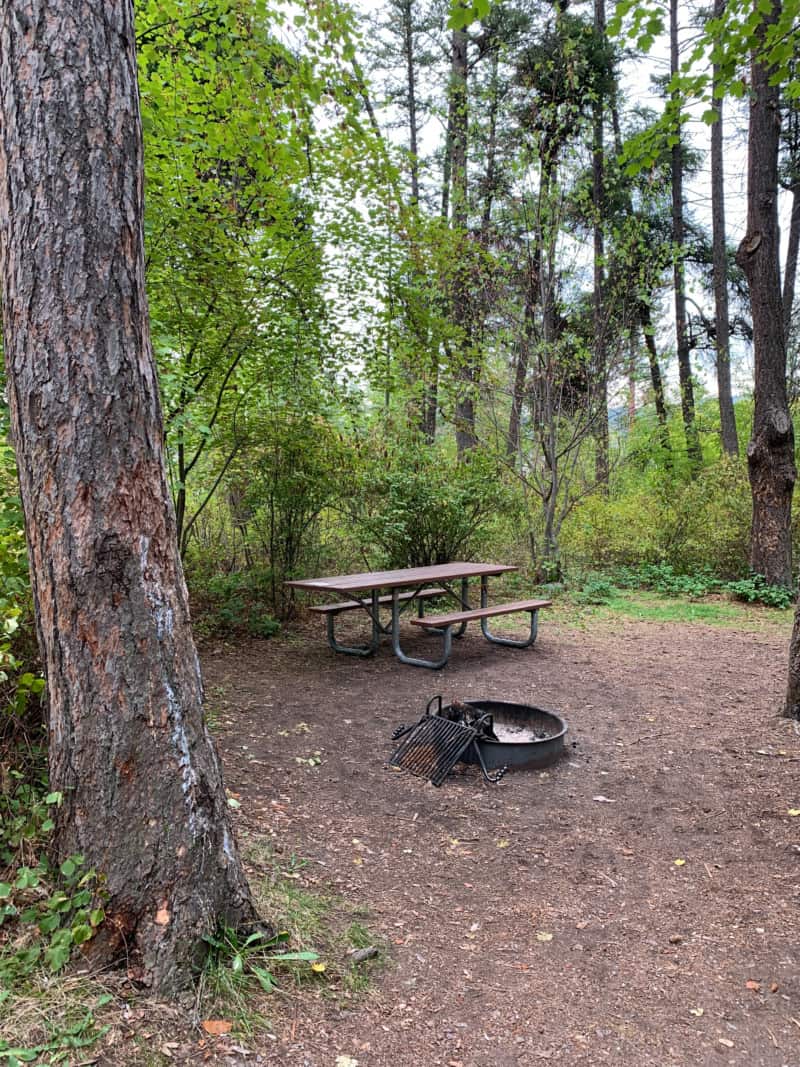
(5, 890)
(82, 933)
(265, 979)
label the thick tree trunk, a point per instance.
(144, 800)
(770, 452)
(678, 236)
(730, 440)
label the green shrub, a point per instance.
(755, 590)
(617, 531)
(663, 578)
(236, 602)
(693, 527)
(595, 589)
(711, 526)
(417, 506)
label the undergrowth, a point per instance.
(322, 946)
(46, 913)
(661, 578)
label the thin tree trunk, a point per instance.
(632, 360)
(600, 353)
(770, 453)
(411, 92)
(790, 270)
(144, 799)
(727, 417)
(520, 372)
(462, 296)
(645, 318)
(490, 181)
(678, 236)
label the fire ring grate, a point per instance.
(494, 734)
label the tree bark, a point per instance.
(770, 452)
(411, 92)
(144, 799)
(646, 321)
(466, 372)
(730, 440)
(600, 354)
(790, 271)
(693, 450)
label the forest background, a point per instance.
(419, 292)
(425, 284)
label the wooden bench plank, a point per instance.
(439, 622)
(353, 605)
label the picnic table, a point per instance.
(411, 587)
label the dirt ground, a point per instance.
(637, 903)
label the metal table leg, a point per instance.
(447, 641)
(512, 642)
(358, 650)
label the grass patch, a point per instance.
(318, 934)
(51, 1019)
(652, 607)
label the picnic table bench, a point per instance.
(413, 586)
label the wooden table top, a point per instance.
(440, 572)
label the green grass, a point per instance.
(314, 922)
(652, 607)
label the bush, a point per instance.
(755, 590)
(595, 589)
(418, 506)
(712, 521)
(617, 531)
(238, 601)
(696, 526)
(663, 579)
(266, 527)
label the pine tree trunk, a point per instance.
(678, 236)
(466, 373)
(411, 95)
(144, 800)
(770, 452)
(730, 440)
(790, 271)
(600, 354)
(646, 321)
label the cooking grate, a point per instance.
(432, 748)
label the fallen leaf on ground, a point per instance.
(216, 1026)
(679, 863)
(794, 811)
(603, 800)
(346, 1061)
(503, 842)
(542, 935)
(727, 1043)
(319, 967)
(755, 986)
(696, 1011)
